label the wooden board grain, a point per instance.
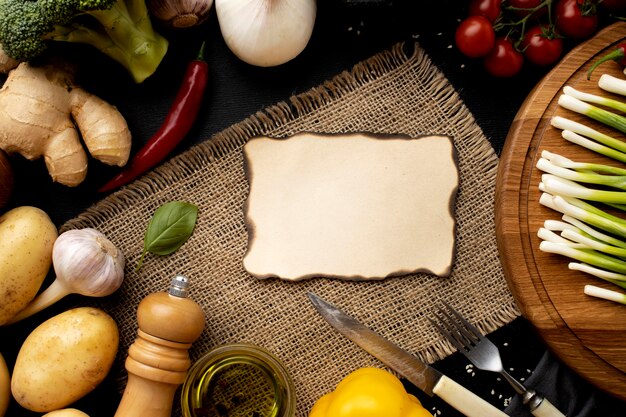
(586, 333)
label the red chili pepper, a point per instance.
(177, 124)
(618, 55)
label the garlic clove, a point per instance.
(180, 13)
(266, 33)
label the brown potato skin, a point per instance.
(64, 359)
(27, 236)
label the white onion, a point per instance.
(266, 33)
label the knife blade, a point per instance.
(423, 376)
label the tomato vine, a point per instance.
(510, 34)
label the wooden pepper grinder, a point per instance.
(158, 360)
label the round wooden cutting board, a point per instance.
(586, 333)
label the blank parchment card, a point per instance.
(354, 206)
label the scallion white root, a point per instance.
(593, 98)
(587, 256)
(582, 175)
(604, 116)
(584, 130)
(612, 84)
(556, 185)
(586, 213)
(605, 294)
(564, 162)
(600, 273)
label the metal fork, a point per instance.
(485, 356)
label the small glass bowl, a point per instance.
(238, 380)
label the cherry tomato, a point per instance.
(488, 8)
(475, 37)
(528, 5)
(504, 60)
(576, 18)
(541, 46)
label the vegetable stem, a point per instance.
(584, 130)
(592, 98)
(560, 186)
(588, 256)
(608, 118)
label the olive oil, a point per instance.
(238, 381)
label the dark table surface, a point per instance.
(346, 32)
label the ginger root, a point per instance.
(6, 62)
(43, 113)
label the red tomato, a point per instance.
(488, 8)
(528, 5)
(541, 46)
(475, 37)
(504, 60)
(576, 18)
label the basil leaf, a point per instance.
(170, 227)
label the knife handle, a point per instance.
(465, 401)
(546, 409)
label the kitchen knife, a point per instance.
(426, 378)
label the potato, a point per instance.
(66, 412)
(26, 238)
(5, 383)
(64, 359)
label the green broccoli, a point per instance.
(120, 29)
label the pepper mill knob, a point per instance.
(158, 360)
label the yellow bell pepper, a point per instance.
(369, 392)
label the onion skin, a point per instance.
(6, 179)
(180, 14)
(266, 33)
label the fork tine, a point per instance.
(467, 337)
(469, 327)
(448, 334)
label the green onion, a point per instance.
(591, 139)
(564, 162)
(612, 84)
(586, 213)
(588, 256)
(600, 273)
(592, 98)
(549, 236)
(593, 146)
(605, 294)
(560, 186)
(608, 118)
(576, 236)
(594, 237)
(591, 177)
(584, 130)
(590, 231)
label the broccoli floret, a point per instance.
(120, 29)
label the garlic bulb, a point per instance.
(180, 13)
(86, 263)
(266, 33)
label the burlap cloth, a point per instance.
(397, 91)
